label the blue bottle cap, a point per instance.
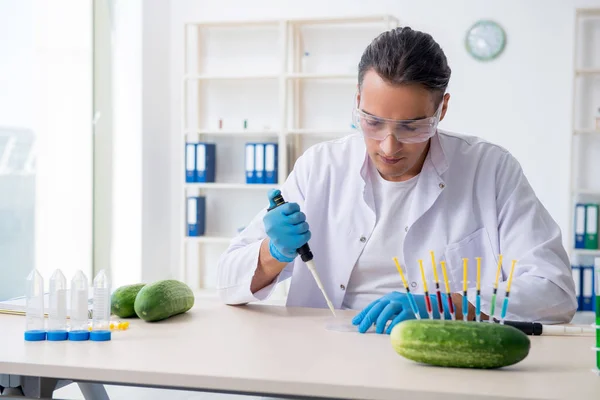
(35, 335)
(55, 336)
(100, 336)
(78, 336)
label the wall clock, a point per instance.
(485, 40)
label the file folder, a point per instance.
(576, 270)
(271, 159)
(250, 172)
(196, 215)
(205, 162)
(591, 226)
(580, 226)
(190, 162)
(259, 162)
(587, 288)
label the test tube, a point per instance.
(57, 311)
(34, 312)
(79, 308)
(101, 308)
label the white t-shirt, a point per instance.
(375, 273)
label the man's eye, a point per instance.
(372, 122)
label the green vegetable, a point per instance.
(123, 300)
(460, 344)
(163, 299)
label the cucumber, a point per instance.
(460, 344)
(163, 299)
(122, 300)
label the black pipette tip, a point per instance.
(304, 251)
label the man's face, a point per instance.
(396, 161)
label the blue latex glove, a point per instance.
(287, 229)
(396, 307)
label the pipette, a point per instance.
(425, 291)
(505, 303)
(306, 256)
(493, 305)
(465, 301)
(34, 311)
(438, 294)
(536, 329)
(478, 292)
(448, 293)
(411, 299)
(57, 312)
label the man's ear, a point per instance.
(446, 99)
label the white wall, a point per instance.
(521, 101)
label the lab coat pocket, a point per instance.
(476, 244)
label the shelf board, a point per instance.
(587, 71)
(213, 77)
(595, 192)
(303, 75)
(587, 132)
(320, 132)
(246, 132)
(232, 186)
(586, 252)
(208, 239)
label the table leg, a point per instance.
(38, 387)
(93, 391)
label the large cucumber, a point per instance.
(123, 299)
(461, 344)
(163, 299)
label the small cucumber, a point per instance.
(163, 299)
(123, 299)
(461, 344)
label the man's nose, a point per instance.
(390, 145)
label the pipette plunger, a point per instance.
(478, 292)
(438, 294)
(425, 291)
(493, 304)
(508, 284)
(465, 302)
(307, 256)
(448, 292)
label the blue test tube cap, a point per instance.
(35, 335)
(100, 336)
(56, 336)
(79, 336)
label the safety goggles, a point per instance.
(407, 131)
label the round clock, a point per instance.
(485, 40)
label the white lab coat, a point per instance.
(471, 200)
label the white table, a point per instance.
(277, 351)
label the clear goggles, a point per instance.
(407, 131)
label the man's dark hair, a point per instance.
(404, 56)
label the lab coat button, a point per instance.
(442, 186)
(406, 228)
(363, 239)
(413, 285)
(342, 287)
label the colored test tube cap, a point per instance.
(56, 336)
(79, 336)
(35, 335)
(100, 336)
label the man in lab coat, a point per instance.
(401, 187)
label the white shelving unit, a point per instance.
(585, 138)
(292, 80)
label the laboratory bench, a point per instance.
(271, 350)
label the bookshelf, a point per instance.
(290, 82)
(585, 137)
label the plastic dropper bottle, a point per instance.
(57, 310)
(101, 308)
(79, 308)
(34, 312)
